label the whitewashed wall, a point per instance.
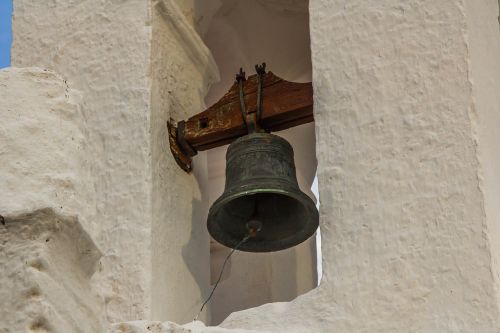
(182, 70)
(484, 73)
(407, 246)
(46, 258)
(102, 49)
(136, 63)
(406, 107)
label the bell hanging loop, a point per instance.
(261, 71)
(240, 78)
(252, 120)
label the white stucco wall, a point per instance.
(135, 68)
(46, 258)
(182, 70)
(404, 101)
(484, 75)
(168, 327)
(44, 152)
(405, 236)
(102, 49)
(406, 104)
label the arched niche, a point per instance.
(242, 33)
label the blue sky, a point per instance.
(5, 32)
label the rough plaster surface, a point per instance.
(183, 69)
(46, 263)
(169, 327)
(46, 258)
(102, 49)
(136, 63)
(406, 217)
(484, 73)
(44, 154)
(405, 236)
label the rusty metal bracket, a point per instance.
(286, 104)
(182, 158)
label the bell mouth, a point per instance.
(285, 219)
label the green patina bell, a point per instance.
(262, 208)
(261, 198)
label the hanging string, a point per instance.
(220, 275)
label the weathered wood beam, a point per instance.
(285, 104)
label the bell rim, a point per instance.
(293, 240)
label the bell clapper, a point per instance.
(253, 227)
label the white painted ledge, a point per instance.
(169, 327)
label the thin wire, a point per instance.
(220, 275)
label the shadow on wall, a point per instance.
(197, 270)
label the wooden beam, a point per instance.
(285, 104)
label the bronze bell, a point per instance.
(261, 196)
(262, 208)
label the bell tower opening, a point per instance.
(242, 33)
